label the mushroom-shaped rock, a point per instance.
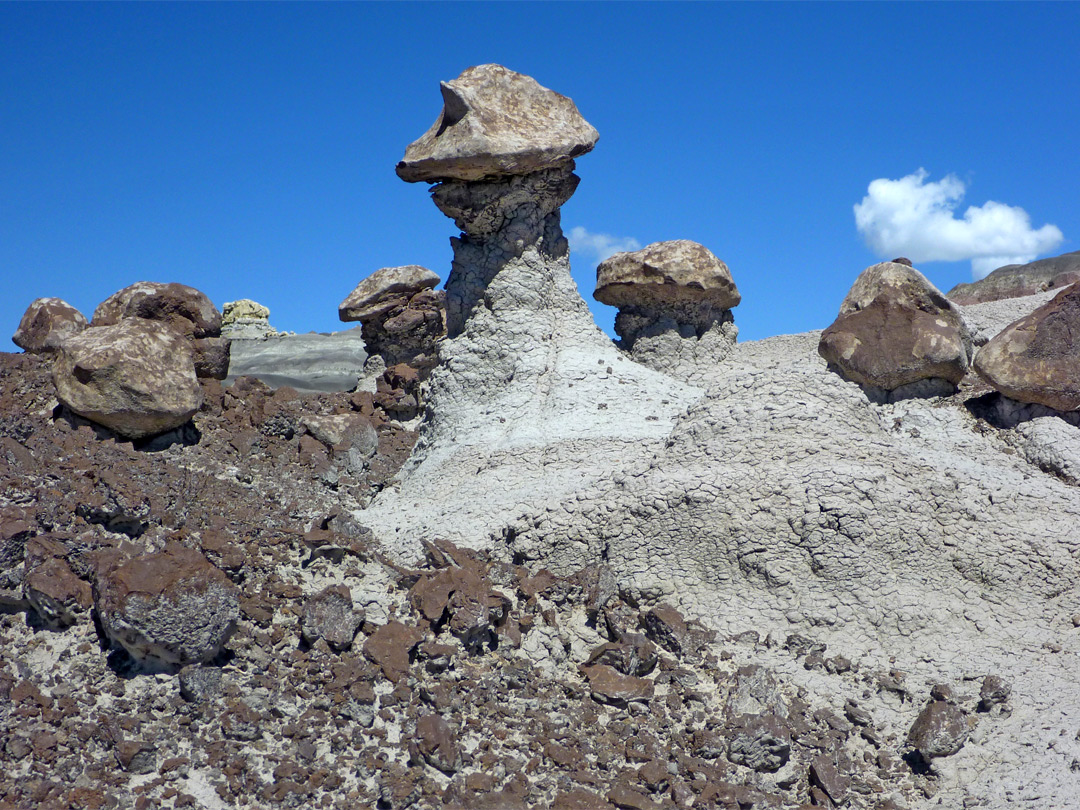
(246, 320)
(495, 123)
(895, 329)
(674, 301)
(403, 316)
(1037, 358)
(46, 324)
(679, 274)
(184, 308)
(136, 378)
(170, 607)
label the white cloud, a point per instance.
(913, 218)
(600, 245)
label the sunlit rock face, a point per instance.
(1037, 358)
(897, 333)
(496, 122)
(136, 377)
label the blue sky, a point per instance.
(248, 149)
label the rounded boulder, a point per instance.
(136, 378)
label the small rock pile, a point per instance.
(134, 368)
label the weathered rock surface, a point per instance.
(1037, 358)
(761, 743)
(494, 123)
(329, 615)
(940, 730)
(136, 378)
(1015, 280)
(184, 308)
(674, 301)
(172, 606)
(46, 324)
(311, 362)
(895, 330)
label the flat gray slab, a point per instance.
(316, 361)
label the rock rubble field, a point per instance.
(506, 562)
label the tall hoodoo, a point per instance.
(523, 366)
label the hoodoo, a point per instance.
(526, 380)
(675, 300)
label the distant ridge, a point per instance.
(1015, 280)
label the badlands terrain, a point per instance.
(509, 563)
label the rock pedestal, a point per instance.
(403, 320)
(675, 300)
(524, 365)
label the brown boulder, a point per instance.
(46, 324)
(609, 686)
(940, 730)
(894, 329)
(136, 378)
(184, 308)
(170, 606)
(436, 743)
(1036, 358)
(494, 123)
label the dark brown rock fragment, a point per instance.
(939, 731)
(391, 646)
(609, 686)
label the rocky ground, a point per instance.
(468, 683)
